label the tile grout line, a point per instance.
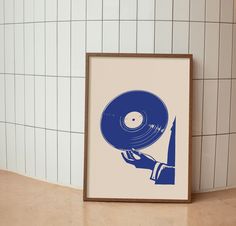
(86, 5)
(24, 87)
(189, 15)
(43, 75)
(57, 81)
(5, 87)
(14, 47)
(213, 79)
(136, 50)
(77, 132)
(102, 28)
(70, 85)
(83, 77)
(38, 127)
(45, 93)
(85, 28)
(230, 99)
(189, 33)
(172, 27)
(217, 106)
(203, 97)
(79, 20)
(35, 153)
(212, 134)
(119, 29)
(154, 27)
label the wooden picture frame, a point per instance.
(138, 106)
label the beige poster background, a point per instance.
(109, 176)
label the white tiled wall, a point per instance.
(42, 78)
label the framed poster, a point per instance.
(137, 127)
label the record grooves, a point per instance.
(134, 120)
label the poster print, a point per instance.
(137, 135)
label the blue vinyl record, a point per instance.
(134, 120)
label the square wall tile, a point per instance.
(128, 36)
(231, 179)
(233, 108)
(29, 10)
(51, 156)
(210, 107)
(145, 36)
(19, 11)
(212, 10)
(10, 98)
(225, 54)
(30, 151)
(2, 98)
(20, 98)
(39, 10)
(78, 43)
(163, 9)
(221, 160)
(1, 11)
(111, 9)
(78, 9)
(197, 10)
(40, 110)
(40, 154)
(227, 11)
(64, 107)
(211, 50)
(9, 48)
(77, 104)
(11, 147)
(110, 36)
(29, 48)
(223, 113)
(20, 148)
(163, 37)
(51, 10)
(145, 9)
(51, 102)
(2, 53)
(19, 49)
(3, 147)
(39, 49)
(29, 100)
(180, 37)
(94, 9)
(181, 10)
(64, 49)
(63, 9)
(64, 158)
(196, 47)
(207, 163)
(128, 9)
(51, 49)
(9, 11)
(77, 156)
(196, 163)
(197, 107)
(94, 36)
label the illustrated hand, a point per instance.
(139, 160)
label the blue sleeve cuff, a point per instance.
(156, 170)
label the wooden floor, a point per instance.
(25, 201)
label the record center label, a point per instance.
(133, 120)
